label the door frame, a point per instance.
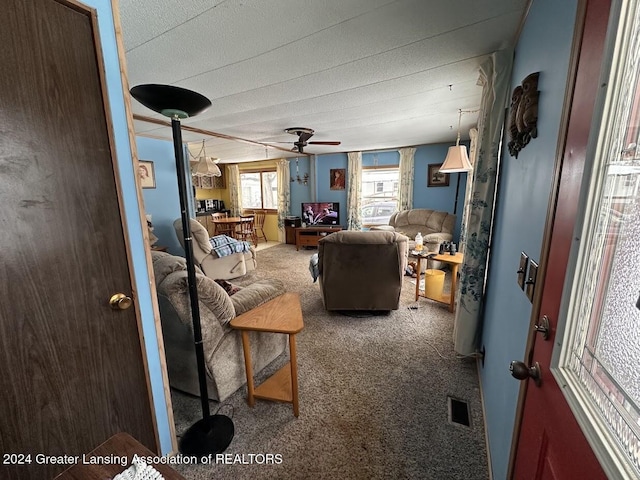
(593, 427)
(115, 8)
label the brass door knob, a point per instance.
(119, 301)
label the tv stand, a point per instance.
(309, 236)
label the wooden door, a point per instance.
(551, 444)
(73, 369)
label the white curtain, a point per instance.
(234, 190)
(495, 74)
(405, 193)
(284, 194)
(354, 201)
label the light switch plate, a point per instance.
(531, 280)
(522, 269)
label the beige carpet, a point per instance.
(373, 396)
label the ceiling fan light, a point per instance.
(457, 160)
(206, 167)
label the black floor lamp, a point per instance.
(213, 433)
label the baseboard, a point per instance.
(484, 418)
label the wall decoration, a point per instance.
(146, 174)
(523, 117)
(337, 178)
(435, 178)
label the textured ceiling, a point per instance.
(372, 74)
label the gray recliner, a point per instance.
(223, 352)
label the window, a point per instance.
(259, 189)
(379, 194)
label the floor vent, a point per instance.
(459, 412)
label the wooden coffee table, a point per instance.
(280, 315)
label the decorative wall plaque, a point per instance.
(523, 118)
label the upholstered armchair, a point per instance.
(222, 345)
(361, 270)
(213, 266)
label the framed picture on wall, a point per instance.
(435, 178)
(146, 174)
(337, 178)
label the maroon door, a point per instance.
(551, 444)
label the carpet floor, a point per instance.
(374, 396)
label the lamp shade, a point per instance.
(206, 167)
(170, 101)
(457, 160)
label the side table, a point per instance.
(280, 315)
(454, 261)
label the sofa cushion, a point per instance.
(229, 287)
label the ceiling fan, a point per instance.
(304, 134)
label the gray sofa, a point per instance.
(361, 270)
(436, 227)
(222, 345)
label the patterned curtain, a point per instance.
(354, 171)
(405, 193)
(473, 153)
(284, 194)
(234, 190)
(495, 76)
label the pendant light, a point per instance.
(457, 159)
(206, 166)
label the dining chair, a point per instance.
(245, 230)
(222, 228)
(260, 216)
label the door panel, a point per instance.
(73, 368)
(546, 417)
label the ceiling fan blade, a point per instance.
(324, 143)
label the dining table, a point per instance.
(227, 225)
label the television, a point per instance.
(321, 213)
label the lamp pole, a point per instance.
(191, 270)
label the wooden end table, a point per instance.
(280, 315)
(454, 261)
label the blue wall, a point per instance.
(162, 202)
(127, 178)
(521, 208)
(436, 198)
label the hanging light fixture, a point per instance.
(457, 159)
(206, 166)
(301, 180)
